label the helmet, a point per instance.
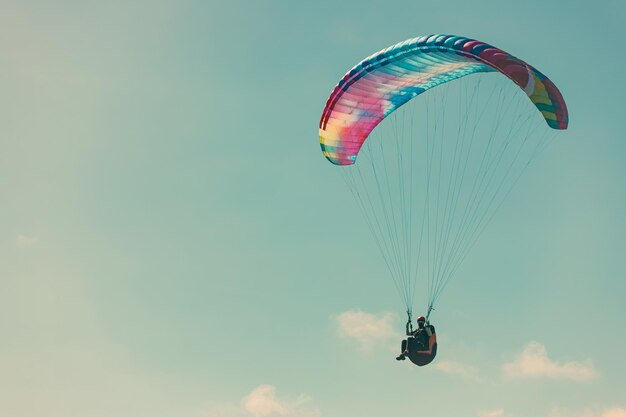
(421, 318)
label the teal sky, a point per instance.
(165, 248)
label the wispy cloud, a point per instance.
(23, 241)
(614, 412)
(457, 368)
(608, 412)
(263, 402)
(492, 413)
(366, 328)
(533, 362)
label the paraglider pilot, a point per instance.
(421, 344)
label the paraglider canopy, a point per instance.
(383, 82)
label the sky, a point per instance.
(165, 243)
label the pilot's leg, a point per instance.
(404, 351)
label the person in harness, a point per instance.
(421, 345)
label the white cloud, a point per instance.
(457, 368)
(23, 241)
(533, 361)
(366, 328)
(263, 402)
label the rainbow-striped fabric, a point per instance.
(386, 80)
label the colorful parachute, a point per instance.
(433, 178)
(381, 83)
